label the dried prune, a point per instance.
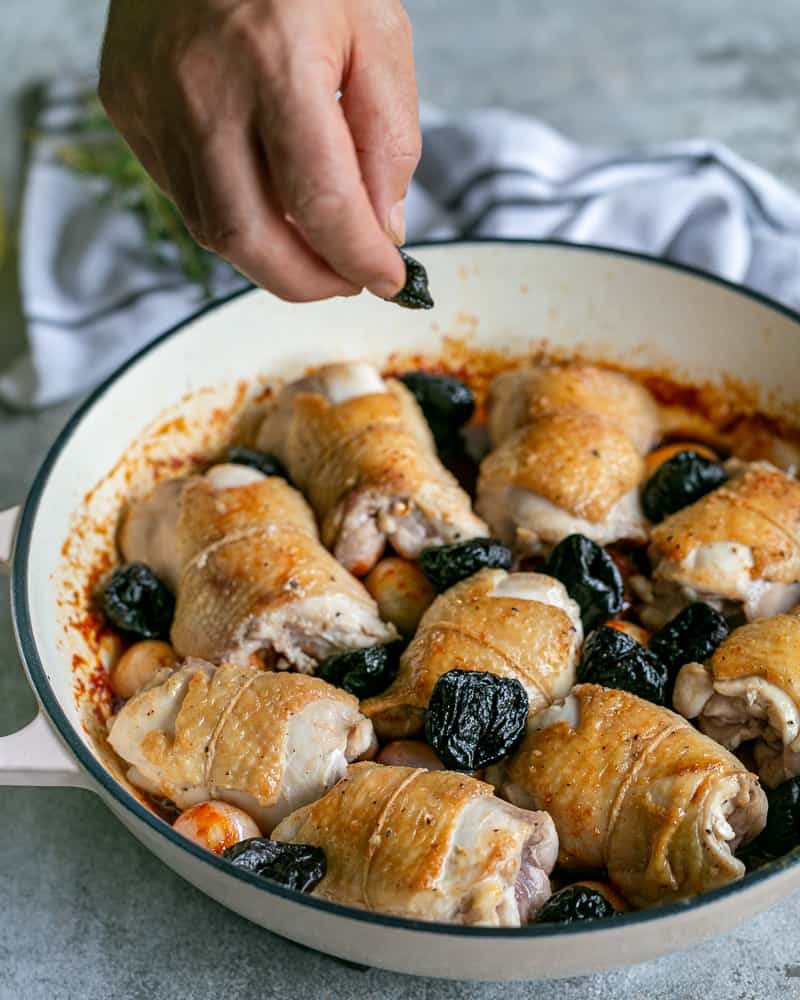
(264, 461)
(680, 481)
(363, 672)
(445, 565)
(297, 866)
(590, 575)
(782, 832)
(415, 293)
(691, 636)
(136, 601)
(615, 660)
(447, 403)
(475, 718)
(576, 902)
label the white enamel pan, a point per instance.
(186, 392)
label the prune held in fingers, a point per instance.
(590, 575)
(691, 636)
(297, 866)
(445, 565)
(363, 672)
(263, 461)
(415, 293)
(680, 481)
(475, 718)
(576, 902)
(136, 601)
(446, 402)
(614, 659)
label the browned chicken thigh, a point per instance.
(524, 395)
(267, 742)
(252, 579)
(750, 690)
(635, 789)
(567, 473)
(361, 451)
(740, 543)
(430, 845)
(521, 625)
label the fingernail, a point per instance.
(397, 223)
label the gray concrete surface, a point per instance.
(84, 910)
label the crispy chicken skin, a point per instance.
(361, 451)
(267, 742)
(521, 625)
(524, 395)
(635, 789)
(739, 543)
(750, 690)
(148, 531)
(251, 576)
(430, 845)
(566, 473)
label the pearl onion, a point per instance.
(410, 753)
(138, 664)
(402, 592)
(216, 825)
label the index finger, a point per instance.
(315, 172)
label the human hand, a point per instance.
(231, 106)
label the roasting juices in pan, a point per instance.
(522, 650)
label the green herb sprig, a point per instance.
(100, 151)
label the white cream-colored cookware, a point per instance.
(186, 392)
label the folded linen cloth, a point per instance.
(93, 294)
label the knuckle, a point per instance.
(248, 29)
(233, 243)
(320, 210)
(188, 66)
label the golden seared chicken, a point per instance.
(750, 690)
(521, 625)
(635, 789)
(251, 576)
(362, 452)
(432, 845)
(266, 742)
(524, 395)
(740, 543)
(567, 473)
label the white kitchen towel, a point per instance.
(93, 293)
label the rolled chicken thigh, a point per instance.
(738, 547)
(360, 449)
(750, 691)
(520, 625)
(267, 742)
(634, 789)
(567, 473)
(251, 577)
(430, 845)
(523, 395)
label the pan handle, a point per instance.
(8, 529)
(34, 755)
